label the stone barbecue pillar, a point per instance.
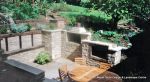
(115, 58)
(52, 42)
(86, 50)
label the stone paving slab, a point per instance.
(51, 69)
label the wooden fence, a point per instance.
(30, 33)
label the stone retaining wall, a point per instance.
(33, 22)
(57, 23)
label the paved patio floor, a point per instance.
(51, 69)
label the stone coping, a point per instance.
(58, 30)
(111, 46)
(24, 67)
(99, 43)
(84, 33)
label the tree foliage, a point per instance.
(22, 9)
(121, 9)
(111, 36)
(127, 7)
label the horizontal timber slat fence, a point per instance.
(5, 38)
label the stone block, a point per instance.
(36, 75)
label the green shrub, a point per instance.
(86, 3)
(26, 11)
(71, 17)
(75, 14)
(43, 58)
(21, 10)
(18, 28)
(65, 7)
(92, 16)
(111, 36)
(43, 6)
(98, 16)
(3, 30)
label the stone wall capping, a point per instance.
(78, 29)
(98, 42)
(111, 46)
(58, 19)
(73, 43)
(85, 33)
(58, 30)
(25, 67)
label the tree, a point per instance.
(73, 2)
(140, 10)
(117, 8)
(122, 9)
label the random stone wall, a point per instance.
(73, 49)
(56, 23)
(86, 50)
(34, 23)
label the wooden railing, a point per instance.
(30, 33)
